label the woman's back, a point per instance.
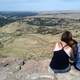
(60, 59)
(62, 45)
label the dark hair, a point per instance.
(66, 37)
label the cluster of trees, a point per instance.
(42, 22)
(47, 30)
(4, 21)
(1, 45)
(51, 21)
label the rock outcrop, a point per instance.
(20, 69)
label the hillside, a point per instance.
(30, 37)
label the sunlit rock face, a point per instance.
(20, 69)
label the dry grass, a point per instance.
(31, 46)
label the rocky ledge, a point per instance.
(20, 69)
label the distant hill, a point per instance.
(9, 17)
(19, 14)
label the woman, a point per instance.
(63, 54)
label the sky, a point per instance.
(39, 5)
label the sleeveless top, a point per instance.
(60, 60)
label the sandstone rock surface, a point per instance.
(20, 69)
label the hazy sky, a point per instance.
(39, 5)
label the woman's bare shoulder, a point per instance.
(68, 50)
(57, 43)
(57, 46)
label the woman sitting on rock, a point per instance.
(63, 54)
